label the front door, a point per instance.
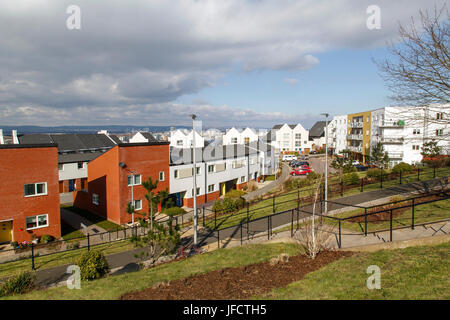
(5, 231)
(71, 185)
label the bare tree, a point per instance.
(314, 235)
(418, 69)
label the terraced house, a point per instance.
(29, 197)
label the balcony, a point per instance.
(393, 124)
(392, 140)
(355, 149)
(355, 124)
(354, 137)
(395, 155)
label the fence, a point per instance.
(263, 226)
(214, 219)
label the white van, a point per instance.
(288, 157)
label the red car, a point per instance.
(303, 170)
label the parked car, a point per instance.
(301, 163)
(355, 162)
(361, 167)
(300, 172)
(288, 157)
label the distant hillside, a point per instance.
(85, 129)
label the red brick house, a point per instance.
(29, 198)
(111, 186)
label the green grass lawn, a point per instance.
(288, 200)
(99, 221)
(57, 259)
(113, 287)
(411, 273)
(68, 232)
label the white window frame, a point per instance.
(95, 199)
(37, 221)
(136, 208)
(163, 176)
(35, 190)
(234, 140)
(198, 192)
(175, 174)
(134, 180)
(179, 143)
(213, 168)
(211, 189)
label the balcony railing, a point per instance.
(393, 124)
(355, 124)
(355, 149)
(395, 155)
(354, 137)
(392, 140)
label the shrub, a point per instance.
(252, 186)
(349, 169)
(46, 238)
(218, 205)
(14, 244)
(234, 193)
(269, 178)
(350, 179)
(376, 173)
(289, 184)
(93, 265)
(19, 284)
(402, 167)
(312, 176)
(229, 205)
(174, 211)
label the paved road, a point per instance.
(127, 259)
(281, 179)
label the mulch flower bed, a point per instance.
(238, 283)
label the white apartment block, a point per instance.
(234, 136)
(403, 130)
(291, 138)
(337, 134)
(180, 139)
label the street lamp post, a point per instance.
(326, 161)
(195, 178)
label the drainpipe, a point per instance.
(14, 136)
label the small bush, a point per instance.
(174, 211)
(349, 169)
(376, 173)
(252, 186)
(234, 193)
(93, 265)
(269, 178)
(229, 205)
(312, 176)
(402, 167)
(350, 179)
(46, 238)
(19, 284)
(218, 206)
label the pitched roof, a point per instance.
(278, 126)
(70, 142)
(149, 137)
(318, 129)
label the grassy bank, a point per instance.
(411, 273)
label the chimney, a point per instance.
(2, 141)
(14, 136)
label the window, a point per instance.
(197, 171)
(134, 180)
(211, 188)
(415, 147)
(242, 179)
(95, 199)
(137, 204)
(440, 132)
(198, 192)
(35, 222)
(246, 140)
(298, 143)
(211, 168)
(61, 167)
(161, 176)
(35, 189)
(175, 174)
(416, 131)
(179, 143)
(234, 140)
(80, 165)
(439, 116)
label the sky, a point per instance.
(232, 63)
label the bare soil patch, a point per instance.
(238, 283)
